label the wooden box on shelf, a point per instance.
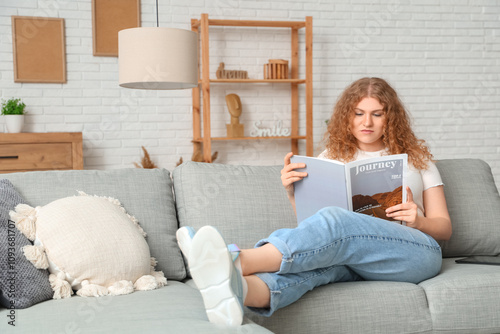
(22, 152)
(276, 69)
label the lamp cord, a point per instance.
(157, 20)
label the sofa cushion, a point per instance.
(146, 193)
(354, 307)
(176, 308)
(246, 203)
(464, 298)
(21, 284)
(474, 207)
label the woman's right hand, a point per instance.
(289, 175)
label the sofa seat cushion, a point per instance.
(146, 193)
(246, 203)
(176, 308)
(464, 298)
(354, 307)
(474, 207)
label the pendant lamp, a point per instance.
(157, 58)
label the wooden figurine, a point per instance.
(230, 74)
(235, 129)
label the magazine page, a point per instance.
(377, 183)
(325, 185)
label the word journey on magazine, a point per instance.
(367, 186)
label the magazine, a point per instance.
(366, 186)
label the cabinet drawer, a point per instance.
(46, 156)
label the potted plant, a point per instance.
(13, 110)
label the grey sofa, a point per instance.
(247, 203)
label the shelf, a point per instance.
(200, 140)
(296, 81)
(249, 23)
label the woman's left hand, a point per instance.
(406, 212)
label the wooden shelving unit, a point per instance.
(202, 139)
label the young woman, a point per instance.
(333, 245)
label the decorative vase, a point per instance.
(14, 123)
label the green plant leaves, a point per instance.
(13, 107)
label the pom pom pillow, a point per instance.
(89, 244)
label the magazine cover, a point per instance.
(378, 185)
(367, 186)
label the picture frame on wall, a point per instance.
(39, 49)
(109, 17)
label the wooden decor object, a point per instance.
(109, 17)
(230, 74)
(235, 129)
(38, 49)
(276, 69)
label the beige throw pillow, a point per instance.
(89, 244)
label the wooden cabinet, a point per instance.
(21, 152)
(202, 139)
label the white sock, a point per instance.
(237, 264)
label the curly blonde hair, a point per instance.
(398, 136)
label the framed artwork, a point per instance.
(39, 49)
(109, 17)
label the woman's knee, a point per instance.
(334, 212)
(338, 216)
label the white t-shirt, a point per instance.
(417, 180)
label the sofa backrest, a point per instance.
(246, 203)
(474, 206)
(144, 193)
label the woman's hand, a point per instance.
(406, 212)
(289, 175)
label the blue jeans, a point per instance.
(336, 245)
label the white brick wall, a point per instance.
(443, 57)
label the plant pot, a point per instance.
(14, 123)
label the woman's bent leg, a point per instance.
(337, 245)
(374, 248)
